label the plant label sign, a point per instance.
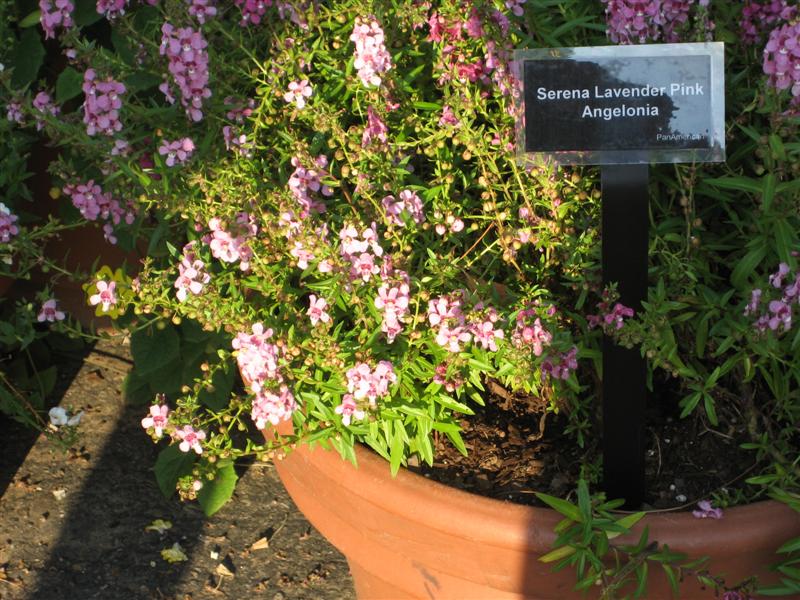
(622, 104)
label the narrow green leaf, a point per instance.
(565, 508)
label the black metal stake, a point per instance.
(625, 224)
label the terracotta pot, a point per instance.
(409, 537)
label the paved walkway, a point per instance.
(74, 527)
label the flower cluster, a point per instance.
(8, 229)
(609, 318)
(365, 383)
(302, 182)
(95, 204)
(779, 310)
(111, 9)
(45, 105)
(258, 362)
(530, 332)
(375, 130)
(361, 251)
(192, 276)
(392, 301)
(191, 439)
(372, 58)
(176, 152)
(639, 21)
(759, 17)
(54, 14)
(186, 52)
(102, 104)
(782, 59)
(445, 314)
(562, 365)
(232, 245)
(408, 202)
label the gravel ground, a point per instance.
(73, 526)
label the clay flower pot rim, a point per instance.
(498, 523)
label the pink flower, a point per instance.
(706, 512)
(106, 295)
(408, 202)
(252, 10)
(190, 439)
(752, 306)
(486, 335)
(316, 311)
(349, 409)
(49, 312)
(298, 92)
(157, 420)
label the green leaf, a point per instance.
(557, 554)
(136, 389)
(86, 13)
(153, 348)
(31, 20)
(745, 267)
(68, 85)
(171, 465)
(215, 493)
(140, 81)
(790, 546)
(626, 523)
(567, 509)
(27, 58)
(397, 446)
(222, 380)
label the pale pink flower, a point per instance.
(349, 410)
(316, 311)
(298, 92)
(106, 295)
(190, 439)
(269, 407)
(375, 130)
(157, 419)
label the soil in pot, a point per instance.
(514, 451)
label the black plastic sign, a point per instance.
(623, 104)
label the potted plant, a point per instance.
(334, 209)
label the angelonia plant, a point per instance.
(329, 204)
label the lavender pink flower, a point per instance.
(349, 410)
(185, 49)
(252, 10)
(177, 152)
(363, 382)
(202, 10)
(782, 60)
(317, 310)
(705, 511)
(8, 229)
(49, 312)
(192, 276)
(375, 130)
(271, 407)
(257, 357)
